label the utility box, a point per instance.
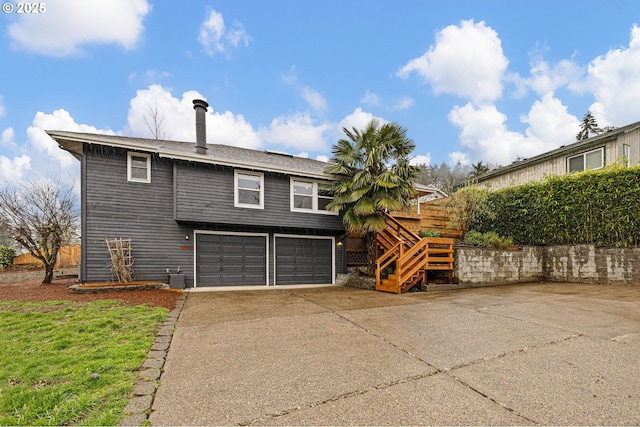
(176, 281)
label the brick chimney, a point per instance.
(201, 125)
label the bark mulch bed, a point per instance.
(26, 285)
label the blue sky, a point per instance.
(469, 80)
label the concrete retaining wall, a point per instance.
(576, 263)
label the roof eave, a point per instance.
(553, 153)
(70, 141)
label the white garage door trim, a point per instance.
(304, 236)
(228, 233)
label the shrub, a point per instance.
(592, 207)
(474, 238)
(490, 239)
(494, 240)
(6, 256)
(466, 205)
(430, 232)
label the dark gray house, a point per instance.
(223, 215)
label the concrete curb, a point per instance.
(139, 407)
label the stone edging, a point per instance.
(139, 407)
(84, 289)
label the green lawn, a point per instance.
(65, 362)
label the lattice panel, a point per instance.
(356, 259)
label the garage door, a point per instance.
(231, 260)
(303, 261)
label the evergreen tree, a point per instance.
(588, 127)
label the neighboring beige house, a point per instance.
(619, 145)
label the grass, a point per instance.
(65, 362)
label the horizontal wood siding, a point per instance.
(632, 139)
(204, 194)
(143, 212)
(146, 213)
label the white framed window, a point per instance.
(593, 159)
(138, 167)
(311, 196)
(249, 190)
(626, 154)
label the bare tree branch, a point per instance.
(154, 121)
(41, 217)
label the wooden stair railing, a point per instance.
(389, 257)
(411, 256)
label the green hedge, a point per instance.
(6, 256)
(600, 207)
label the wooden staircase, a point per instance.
(403, 258)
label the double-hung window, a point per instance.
(593, 159)
(302, 195)
(138, 167)
(310, 196)
(249, 190)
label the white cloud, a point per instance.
(467, 61)
(458, 157)
(176, 119)
(41, 156)
(58, 120)
(370, 98)
(613, 79)
(232, 129)
(404, 103)
(13, 171)
(373, 99)
(69, 24)
(484, 131)
(301, 131)
(215, 38)
(546, 78)
(550, 126)
(358, 119)
(315, 99)
(8, 136)
(421, 159)
(2, 107)
(297, 131)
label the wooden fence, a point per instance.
(434, 215)
(69, 256)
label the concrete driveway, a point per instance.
(550, 354)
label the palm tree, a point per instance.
(373, 176)
(588, 126)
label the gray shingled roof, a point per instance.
(216, 153)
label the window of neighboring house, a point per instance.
(249, 190)
(138, 167)
(311, 196)
(626, 154)
(590, 160)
